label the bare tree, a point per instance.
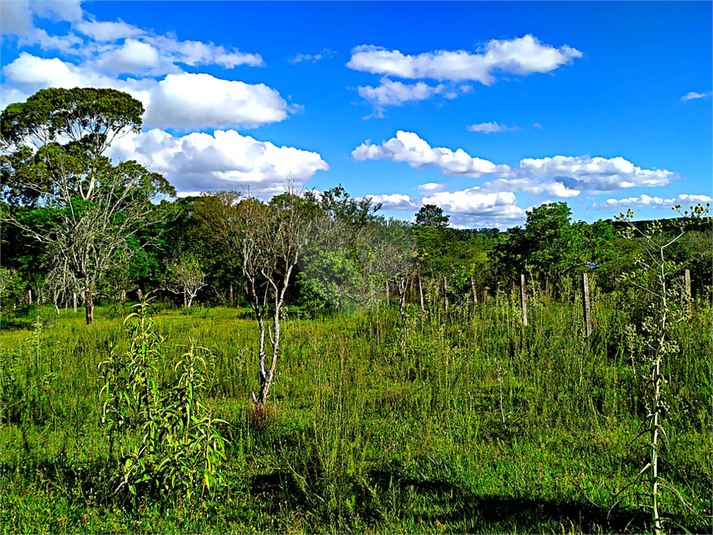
(268, 239)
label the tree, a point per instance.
(431, 215)
(54, 145)
(549, 246)
(267, 239)
(185, 276)
(329, 265)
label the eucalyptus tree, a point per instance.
(53, 157)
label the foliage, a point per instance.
(180, 449)
(54, 144)
(431, 215)
(658, 300)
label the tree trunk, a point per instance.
(185, 300)
(475, 294)
(420, 292)
(231, 295)
(89, 305)
(74, 297)
(29, 297)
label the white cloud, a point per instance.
(29, 73)
(313, 58)
(16, 18)
(430, 187)
(179, 100)
(390, 93)
(224, 160)
(489, 128)
(522, 55)
(198, 53)
(132, 57)
(108, 30)
(471, 207)
(654, 202)
(530, 185)
(100, 46)
(693, 95)
(69, 10)
(599, 174)
(472, 201)
(16, 15)
(396, 201)
(201, 100)
(410, 148)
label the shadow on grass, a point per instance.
(387, 497)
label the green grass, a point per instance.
(401, 436)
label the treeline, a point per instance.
(352, 256)
(77, 227)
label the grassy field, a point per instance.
(456, 422)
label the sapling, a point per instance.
(656, 283)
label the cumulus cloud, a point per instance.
(694, 95)
(223, 160)
(531, 186)
(100, 42)
(181, 100)
(201, 100)
(396, 201)
(644, 200)
(522, 55)
(598, 174)
(410, 148)
(108, 30)
(489, 128)
(132, 57)
(390, 93)
(471, 207)
(430, 187)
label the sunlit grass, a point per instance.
(403, 435)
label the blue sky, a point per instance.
(484, 109)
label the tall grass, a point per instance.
(456, 421)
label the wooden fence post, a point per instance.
(585, 299)
(475, 294)
(420, 292)
(523, 299)
(445, 293)
(74, 298)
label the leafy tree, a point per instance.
(54, 145)
(329, 265)
(431, 215)
(549, 246)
